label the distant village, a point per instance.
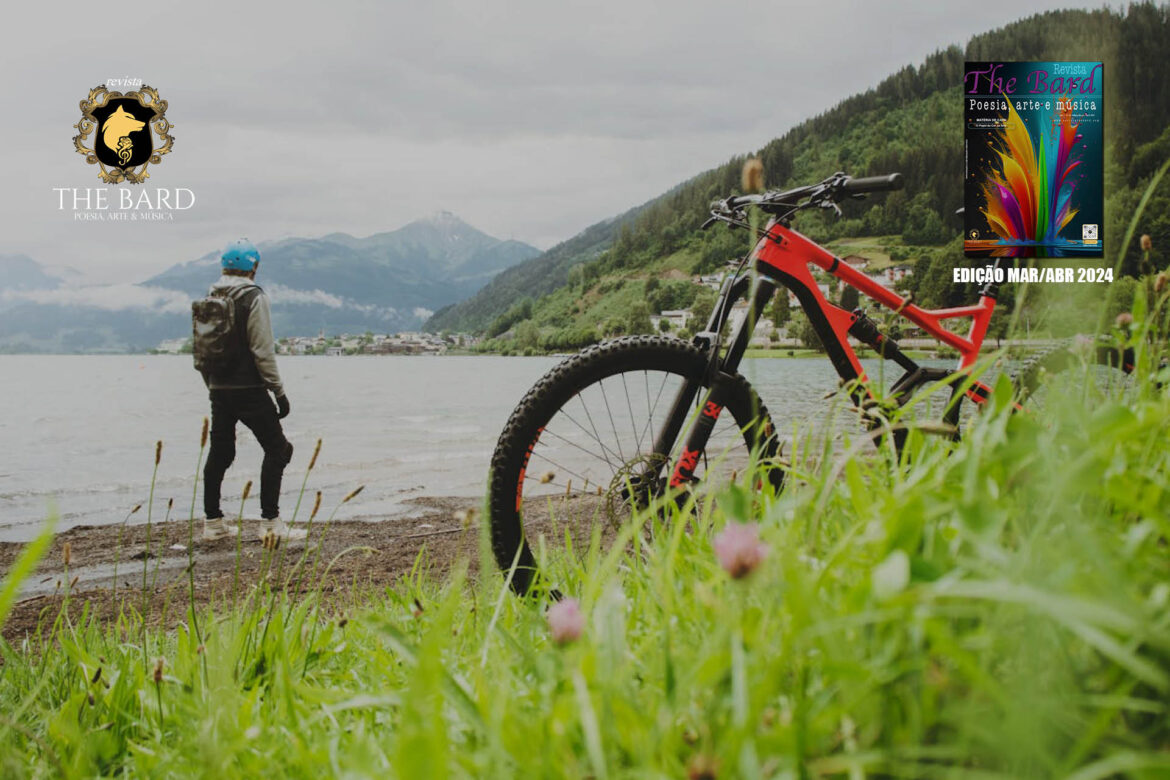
(411, 343)
(421, 343)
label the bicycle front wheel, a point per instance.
(579, 450)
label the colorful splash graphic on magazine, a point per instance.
(1035, 155)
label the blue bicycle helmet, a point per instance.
(241, 255)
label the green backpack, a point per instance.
(216, 341)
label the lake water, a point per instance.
(78, 433)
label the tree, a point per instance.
(808, 335)
(589, 274)
(923, 224)
(613, 327)
(997, 328)
(702, 307)
(516, 313)
(664, 325)
(849, 298)
(779, 311)
(527, 335)
(638, 319)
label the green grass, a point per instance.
(782, 352)
(996, 608)
(873, 248)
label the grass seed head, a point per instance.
(247, 490)
(753, 175)
(316, 506)
(73, 584)
(67, 552)
(1124, 320)
(203, 434)
(157, 451)
(353, 493)
(547, 477)
(1147, 242)
(316, 452)
(466, 517)
(136, 508)
(1160, 282)
(158, 670)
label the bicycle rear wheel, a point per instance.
(579, 448)
(1073, 365)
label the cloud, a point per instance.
(137, 297)
(279, 294)
(422, 313)
(282, 295)
(111, 297)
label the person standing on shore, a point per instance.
(235, 352)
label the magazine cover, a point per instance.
(1034, 152)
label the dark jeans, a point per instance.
(254, 408)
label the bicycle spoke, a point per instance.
(612, 424)
(630, 407)
(596, 438)
(555, 464)
(650, 413)
(578, 446)
(592, 425)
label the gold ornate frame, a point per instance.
(147, 97)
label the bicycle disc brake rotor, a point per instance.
(635, 483)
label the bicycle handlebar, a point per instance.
(826, 193)
(872, 184)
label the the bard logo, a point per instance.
(124, 128)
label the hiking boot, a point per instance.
(215, 528)
(280, 529)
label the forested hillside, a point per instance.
(912, 123)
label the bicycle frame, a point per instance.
(784, 257)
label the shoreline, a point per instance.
(917, 349)
(342, 558)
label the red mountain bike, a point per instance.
(625, 421)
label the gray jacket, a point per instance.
(260, 340)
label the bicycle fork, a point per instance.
(720, 374)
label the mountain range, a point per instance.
(386, 282)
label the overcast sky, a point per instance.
(530, 120)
